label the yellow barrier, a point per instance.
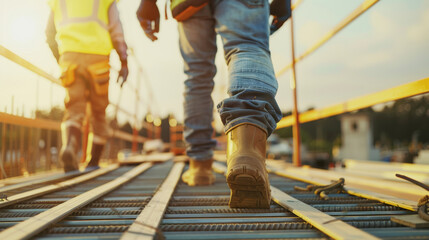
(345, 22)
(395, 93)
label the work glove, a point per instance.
(281, 11)
(123, 73)
(148, 16)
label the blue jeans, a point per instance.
(244, 28)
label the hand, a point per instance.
(123, 74)
(148, 16)
(281, 11)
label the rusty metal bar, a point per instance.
(48, 150)
(11, 152)
(296, 132)
(3, 151)
(21, 149)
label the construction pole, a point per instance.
(296, 132)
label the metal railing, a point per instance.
(392, 94)
(28, 145)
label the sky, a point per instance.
(385, 47)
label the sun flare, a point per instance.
(23, 30)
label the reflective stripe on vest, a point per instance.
(82, 26)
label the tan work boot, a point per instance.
(247, 175)
(200, 173)
(72, 138)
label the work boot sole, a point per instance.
(69, 162)
(249, 189)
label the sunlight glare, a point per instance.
(23, 30)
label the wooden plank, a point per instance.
(155, 157)
(31, 177)
(385, 174)
(55, 187)
(413, 221)
(41, 178)
(329, 225)
(38, 223)
(386, 166)
(147, 223)
(383, 198)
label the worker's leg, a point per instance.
(98, 75)
(250, 113)
(75, 102)
(198, 49)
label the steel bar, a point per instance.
(38, 223)
(146, 224)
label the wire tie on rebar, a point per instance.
(423, 204)
(323, 191)
(332, 220)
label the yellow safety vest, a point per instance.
(82, 25)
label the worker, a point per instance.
(81, 35)
(250, 113)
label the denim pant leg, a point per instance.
(198, 48)
(244, 28)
